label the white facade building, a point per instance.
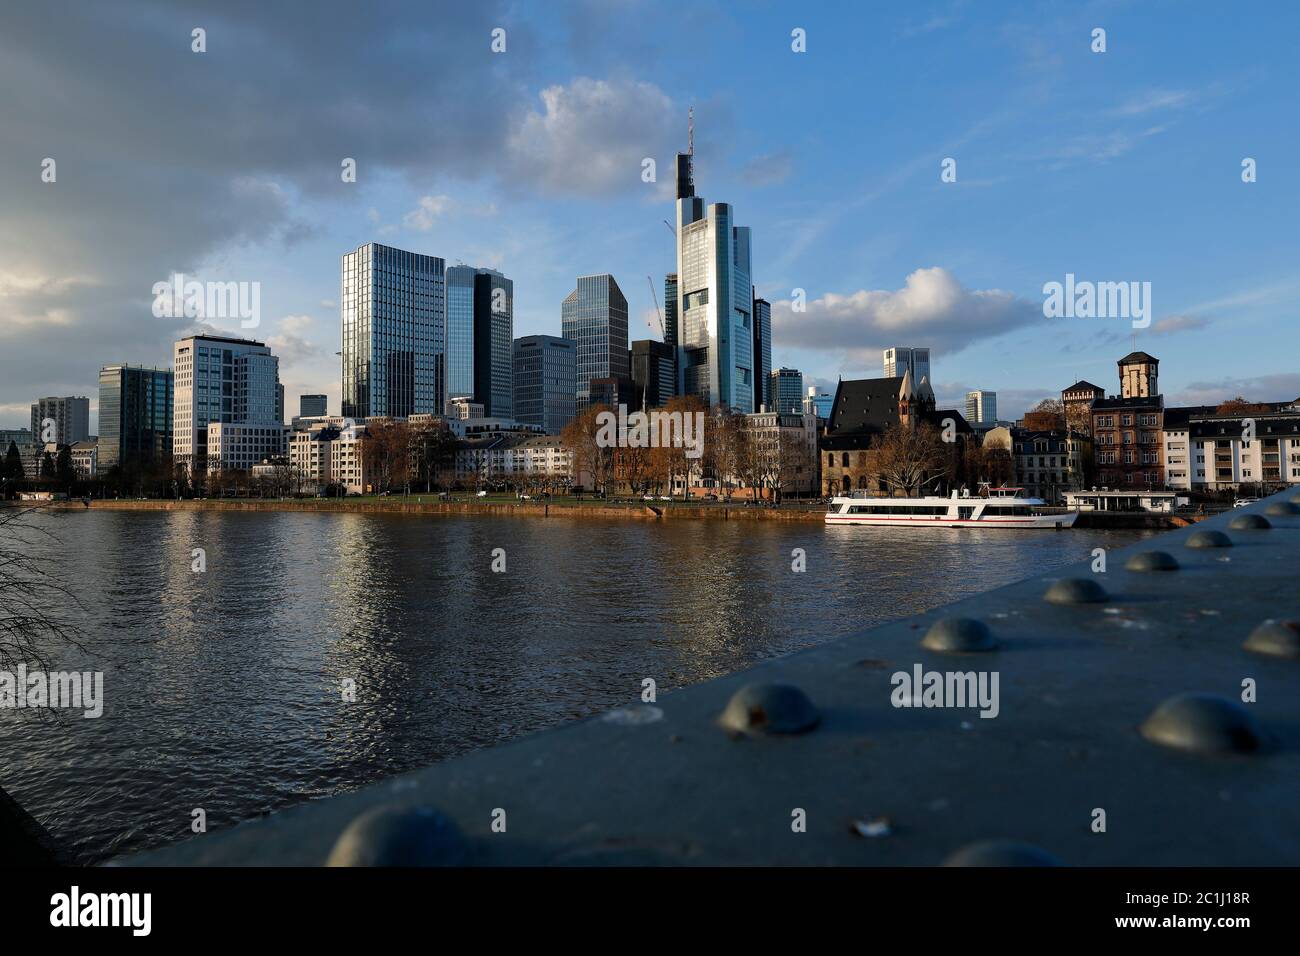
(225, 381)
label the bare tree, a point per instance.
(906, 459)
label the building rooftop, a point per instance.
(1137, 358)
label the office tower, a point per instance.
(670, 316)
(763, 352)
(546, 369)
(135, 417)
(820, 402)
(71, 417)
(653, 372)
(714, 333)
(393, 315)
(981, 407)
(900, 360)
(480, 338)
(786, 386)
(594, 317)
(312, 406)
(222, 381)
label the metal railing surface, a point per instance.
(1147, 714)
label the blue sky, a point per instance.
(1115, 166)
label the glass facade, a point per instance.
(714, 334)
(220, 380)
(480, 338)
(135, 416)
(312, 406)
(763, 353)
(393, 325)
(786, 389)
(654, 374)
(594, 317)
(545, 377)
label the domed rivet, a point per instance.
(1296, 497)
(1282, 509)
(400, 836)
(1202, 723)
(959, 635)
(1152, 561)
(1000, 853)
(1250, 522)
(1275, 638)
(769, 709)
(1075, 591)
(1208, 539)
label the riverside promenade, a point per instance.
(1147, 714)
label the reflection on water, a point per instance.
(223, 688)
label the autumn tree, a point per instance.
(587, 441)
(387, 447)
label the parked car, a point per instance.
(1242, 502)
(482, 494)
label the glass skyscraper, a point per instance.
(480, 338)
(714, 332)
(545, 381)
(787, 391)
(135, 417)
(899, 360)
(393, 317)
(763, 353)
(594, 317)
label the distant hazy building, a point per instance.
(763, 353)
(545, 379)
(135, 417)
(981, 407)
(480, 338)
(220, 380)
(312, 406)
(915, 360)
(71, 417)
(714, 333)
(819, 401)
(19, 436)
(393, 318)
(786, 389)
(594, 317)
(653, 372)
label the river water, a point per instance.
(223, 687)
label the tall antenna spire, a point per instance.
(690, 131)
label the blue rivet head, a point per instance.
(1282, 509)
(1152, 561)
(1250, 522)
(1208, 539)
(958, 635)
(769, 709)
(1000, 853)
(400, 836)
(1075, 591)
(1275, 638)
(1203, 724)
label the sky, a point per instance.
(1117, 166)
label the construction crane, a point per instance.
(655, 298)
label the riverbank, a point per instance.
(563, 507)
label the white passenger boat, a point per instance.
(996, 508)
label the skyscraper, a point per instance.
(900, 360)
(594, 316)
(480, 338)
(393, 316)
(135, 417)
(763, 353)
(653, 372)
(545, 381)
(312, 406)
(71, 417)
(714, 333)
(221, 381)
(787, 391)
(981, 407)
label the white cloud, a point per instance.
(932, 309)
(426, 211)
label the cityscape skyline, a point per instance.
(528, 210)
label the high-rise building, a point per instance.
(594, 317)
(981, 407)
(819, 402)
(786, 388)
(763, 353)
(393, 317)
(900, 360)
(135, 417)
(653, 372)
(480, 338)
(70, 415)
(312, 406)
(220, 380)
(545, 381)
(714, 320)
